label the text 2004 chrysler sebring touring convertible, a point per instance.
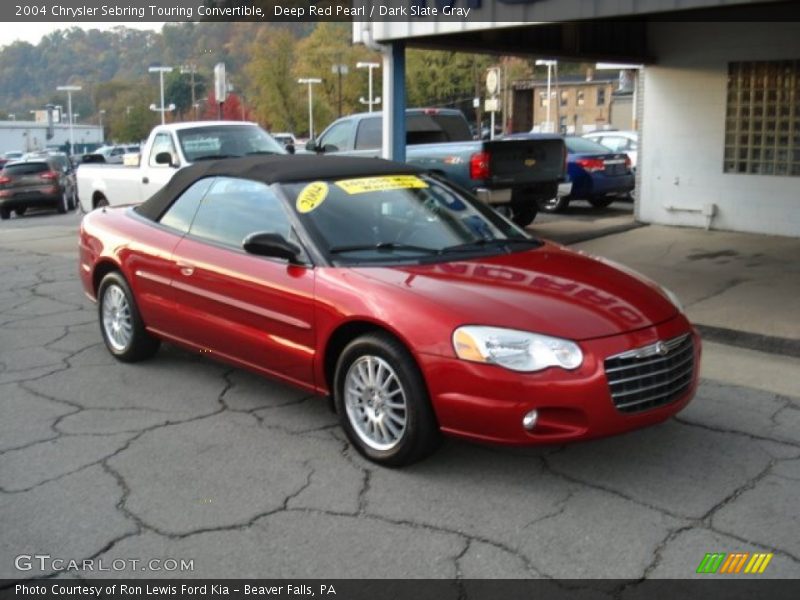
(416, 308)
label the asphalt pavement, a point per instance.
(186, 459)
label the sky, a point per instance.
(34, 32)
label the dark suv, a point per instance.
(34, 183)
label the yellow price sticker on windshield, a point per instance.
(380, 184)
(311, 196)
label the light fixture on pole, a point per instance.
(370, 66)
(310, 81)
(549, 64)
(163, 109)
(69, 89)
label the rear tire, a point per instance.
(523, 214)
(101, 202)
(63, 204)
(601, 201)
(554, 205)
(383, 403)
(120, 322)
(5, 214)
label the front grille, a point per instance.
(642, 379)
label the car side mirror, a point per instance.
(311, 145)
(271, 244)
(164, 158)
(290, 148)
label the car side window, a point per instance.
(370, 134)
(337, 137)
(179, 216)
(162, 143)
(234, 208)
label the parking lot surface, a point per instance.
(184, 458)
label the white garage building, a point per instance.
(718, 99)
(29, 136)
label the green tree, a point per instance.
(328, 45)
(272, 87)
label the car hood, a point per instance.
(549, 290)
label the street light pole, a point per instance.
(69, 89)
(549, 64)
(370, 66)
(102, 129)
(310, 81)
(161, 71)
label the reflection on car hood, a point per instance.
(550, 290)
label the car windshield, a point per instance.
(200, 143)
(579, 145)
(399, 219)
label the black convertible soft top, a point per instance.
(270, 169)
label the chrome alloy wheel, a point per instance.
(117, 319)
(375, 402)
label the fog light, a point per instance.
(529, 420)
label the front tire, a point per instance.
(120, 322)
(5, 214)
(383, 402)
(601, 201)
(20, 211)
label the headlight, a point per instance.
(515, 350)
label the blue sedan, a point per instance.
(597, 175)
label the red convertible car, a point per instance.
(417, 309)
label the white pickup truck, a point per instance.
(169, 147)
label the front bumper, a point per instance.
(487, 403)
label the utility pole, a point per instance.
(340, 70)
(191, 69)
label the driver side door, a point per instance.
(255, 310)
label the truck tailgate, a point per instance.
(517, 162)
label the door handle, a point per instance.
(186, 269)
(145, 180)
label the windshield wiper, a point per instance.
(254, 152)
(483, 243)
(382, 247)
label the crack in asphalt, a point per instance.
(725, 286)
